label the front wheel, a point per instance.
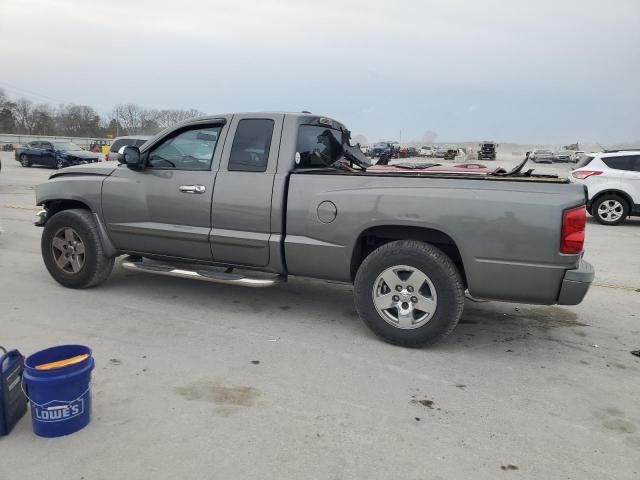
(60, 164)
(72, 250)
(24, 161)
(409, 293)
(610, 210)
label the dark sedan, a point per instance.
(55, 154)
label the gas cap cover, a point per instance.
(327, 211)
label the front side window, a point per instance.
(251, 145)
(188, 150)
(318, 147)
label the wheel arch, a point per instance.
(612, 191)
(376, 236)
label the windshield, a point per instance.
(544, 152)
(66, 147)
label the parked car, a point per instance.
(248, 199)
(56, 154)
(487, 150)
(577, 155)
(119, 142)
(613, 184)
(562, 156)
(381, 148)
(426, 151)
(541, 156)
(440, 152)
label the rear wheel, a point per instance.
(72, 250)
(610, 210)
(409, 293)
(24, 161)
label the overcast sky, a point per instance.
(518, 70)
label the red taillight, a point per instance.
(582, 174)
(574, 222)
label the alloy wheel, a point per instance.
(405, 297)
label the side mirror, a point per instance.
(131, 156)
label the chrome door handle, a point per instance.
(192, 188)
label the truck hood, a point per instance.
(100, 168)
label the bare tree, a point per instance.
(7, 119)
(24, 112)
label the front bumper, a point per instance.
(576, 283)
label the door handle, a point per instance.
(192, 188)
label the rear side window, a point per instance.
(251, 145)
(318, 147)
(635, 163)
(618, 163)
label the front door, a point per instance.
(165, 208)
(241, 211)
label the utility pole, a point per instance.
(117, 122)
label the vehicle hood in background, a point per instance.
(79, 154)
(100, 168)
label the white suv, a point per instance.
(613, 183)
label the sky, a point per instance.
(527, 71)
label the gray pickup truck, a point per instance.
(248, 199)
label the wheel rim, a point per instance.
(59, 165)
(23, 160)
(405, 297)
(68, 250)
(610, 210)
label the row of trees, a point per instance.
(26, 117)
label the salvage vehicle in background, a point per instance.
(440, 152)
(487, 151)
(56, 154)
(426, 151)
(119, 142)
(381, 148)
(366, 149)
(612, 179)
(562, 156)
(542, 156)
(577, 155)
(249, 199)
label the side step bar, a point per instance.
(202, 274)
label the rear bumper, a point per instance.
(576, 283)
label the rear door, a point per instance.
(241, 211)
(47, 154)
(631, 181)
(165, 209)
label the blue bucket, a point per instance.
(61, 397)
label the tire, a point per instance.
(610, 210)
(74, 231)
(24, 161)
(60, 164)
(442, 290)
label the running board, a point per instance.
(201, 274)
